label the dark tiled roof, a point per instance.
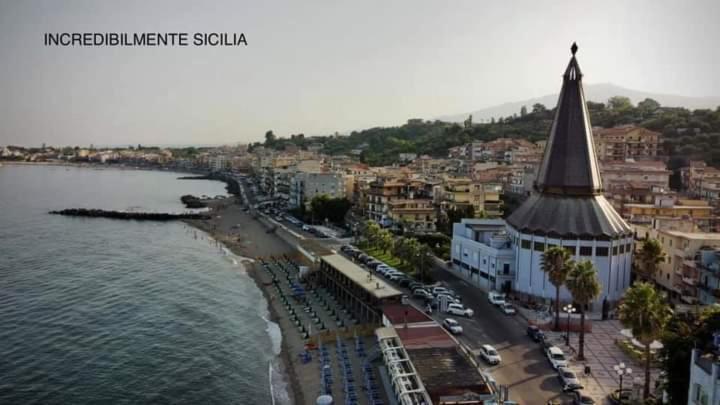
(569, 203)
(569, 165)
(569, 217)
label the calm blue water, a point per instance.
(97, 311)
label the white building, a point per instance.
(567, 208)
(482, 253)
(704, 380)
(218, 162)
(305, 186)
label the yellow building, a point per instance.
(697, 210)
(680, 249)
(461, 192)
(417, 215)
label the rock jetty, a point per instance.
(141, 216)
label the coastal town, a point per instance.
(496, 271)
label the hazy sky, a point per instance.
(322, 66)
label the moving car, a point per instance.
(568, 380)
(490, 355)
(458, 309)
(507, 308)
(535, 333)
(453, 326)
(496, 298)
(556, 357)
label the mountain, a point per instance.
(593, 92)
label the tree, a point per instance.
(556, 263)
(270, 138)
(422, 259)
(645, 312)
(584, 285)
(649, 258)
(523, 111)
(370, 232)
(385, 240)
(620, 104)
(647, 107)
(538, 108)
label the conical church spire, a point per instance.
(569, 165)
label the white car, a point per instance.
(458, 309)
(450, 299)
(496, 298)
(507, 309)
(556, 357)
(568, 379)
(453, 326)
(441, 290)
(490, 355)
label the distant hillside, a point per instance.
(599, 93)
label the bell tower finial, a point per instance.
(574, 48)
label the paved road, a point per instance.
(524, 368)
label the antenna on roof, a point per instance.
(574, 48)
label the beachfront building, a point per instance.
(305, 186)
(626, 142)
(566, 208)
(357, 290)
(459, 193)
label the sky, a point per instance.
(316, 67)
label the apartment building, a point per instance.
(304, 186)
(461, 192)
(626, 142)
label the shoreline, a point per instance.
(225, 217)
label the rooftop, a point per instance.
(398, 314)
(373, 285)
(445, 371)
(695, 235)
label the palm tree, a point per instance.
(646, 313)
(422, 258)
(556, 262)
(649, 258)
(584, 285)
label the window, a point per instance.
(670, 241)
(570, 249)
(628, 247)
(601, 251)
(586, 250)
(622, 249)
(615, 250)
(539, 247)
(506, 268)
(525, 244)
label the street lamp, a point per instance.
(621, 371)
(570, 310)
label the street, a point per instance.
(524, 368)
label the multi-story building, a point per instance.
(416, 215)
(482, 253)
(704, 386)
(626, 142)
(304, 186)
(385, 190)
(703, 273)
(461, 192)
(701, 181)
(676, 275)
(669, 207)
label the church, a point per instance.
(566, 209)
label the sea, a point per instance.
(103, 311)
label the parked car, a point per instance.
(579, 398)
(496, 298)
(507, 308)
(453, 326)
(440, 290)
(405, 281)
(374, 263)
(305, 228)
(415, 284)
(346, 248)
(382, 269)
(535, 333)
(449, 298)
(556, 357)
(568, 380)
(422, 293)
(395, 276)
(458, 309)
(490, 355)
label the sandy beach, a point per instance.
(247, 237)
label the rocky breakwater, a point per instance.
(141, 216)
